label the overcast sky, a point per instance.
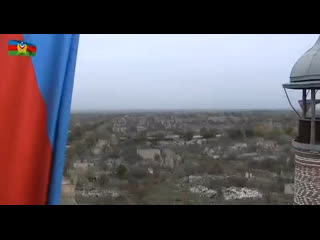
(117, 72)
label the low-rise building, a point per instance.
(217, 119)
(289, 189)
(113, 163)
(266, 145)
(141, 128)
(99, 146)
(239, 147)
(248, 175)
(119, 125)
(251, 155)
(170, 159)
(148, 154)
(197, 137)
(211, 153)
(82, 165)
(172, 137)
(67, 192)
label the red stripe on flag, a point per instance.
(15, 48)
(31, 49)
(12, 48)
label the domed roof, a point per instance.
(306, 71)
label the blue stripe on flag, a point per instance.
(13, 42)
(54, 67)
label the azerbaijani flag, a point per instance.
(35, 101)
(20, 48)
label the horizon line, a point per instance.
(174, 110)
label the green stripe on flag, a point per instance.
(16, 53)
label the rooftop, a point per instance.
(306, 71)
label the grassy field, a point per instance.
(168, 194)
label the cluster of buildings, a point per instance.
(119, 125)
(164, 157)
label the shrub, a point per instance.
(80, 150)
(290, 131)
(76, 134)
(90, 173)
(213, 167)
(159, 136)
(284, 139)
(231, 157)
(90, 140)
(103, 180)
(140, 191)
(130, 154)
(71, 152)
(114, 154)
(156, 171)
(194, 149)
(102, 165)
(191, 169)
(241, 167)
(157, 158)
(280, 184)
(274, 187)
(141, 137)
(139, 172)
(180, 172)
(121, 171)
(259, 131)
(266, 164)
(249, 132)
(68, 164)
(274, 134)
(82, 181)
(208, 133)
(252, 164)
(217, 183)
(268, 197)
(237, 181)
(132, 181)
(234, 133)
(164, 176)
(187, 136)
(252, 148)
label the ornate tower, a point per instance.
(305, 76)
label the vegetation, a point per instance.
(118, 167)
(205, 133)
(129, 154)
(187, 135)
(122, 171)
(211, 167)
(235, 133)
(139, 172)
(103, 180)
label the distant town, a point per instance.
(180, 158)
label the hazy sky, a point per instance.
(185, 71)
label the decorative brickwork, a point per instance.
(307, 178)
